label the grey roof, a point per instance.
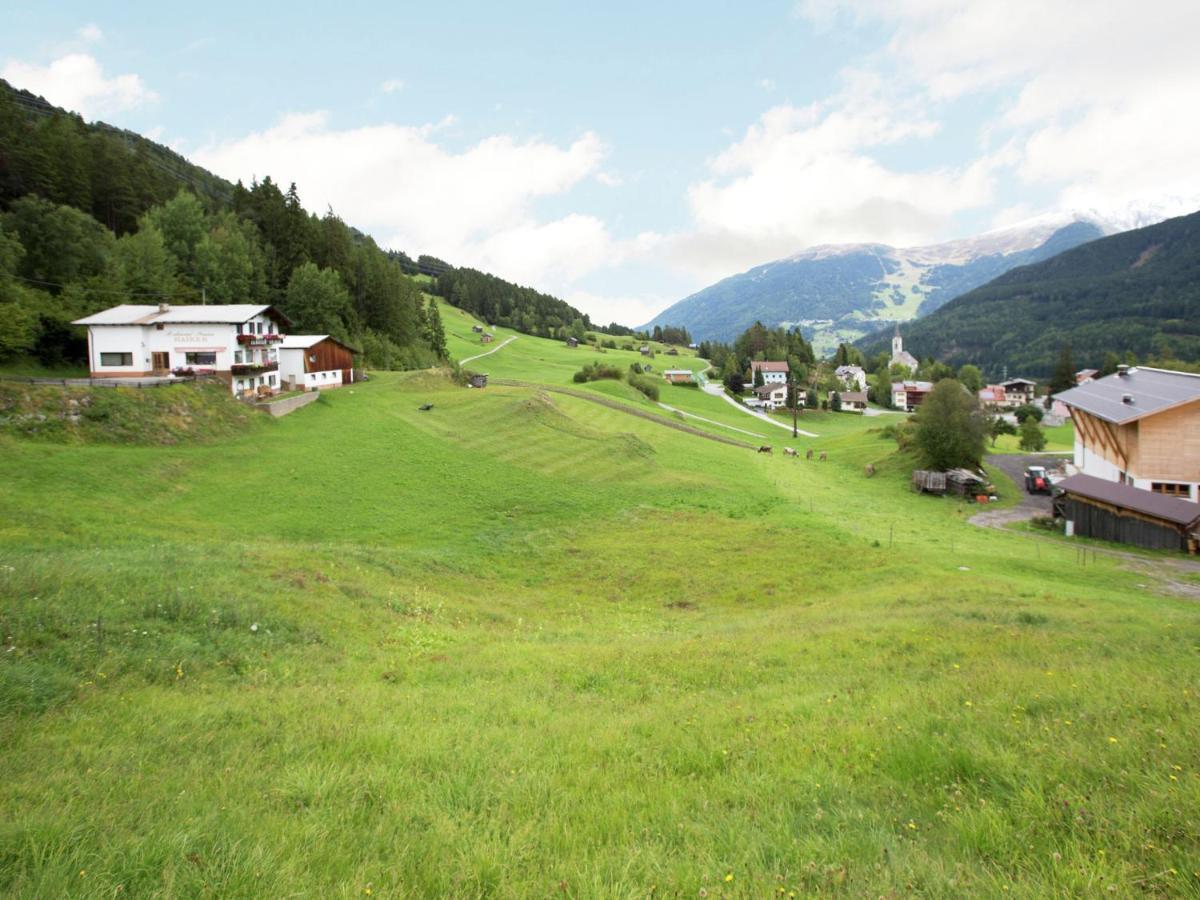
(214, 314)
(1149, 391)
(301, 341)
(770, 388)
(1158, 506)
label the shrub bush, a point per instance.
(1027, 411)
(595, 371)
(647, 386)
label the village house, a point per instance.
(1139, 427)
(907, 395)
(994, 397)
(853, 401)
(678, 376)
(900, 356)
(645, 350)
(237, 343)
(1083, 376)
(853, 377)
(772, 372)
(769, 396)
(1019, 391)
(315, 361)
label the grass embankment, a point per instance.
(165, 414)
(526, 645)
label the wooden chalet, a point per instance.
(486, 338)
(572, 342)
(1140, 427)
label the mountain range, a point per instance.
(843, 292)
(1134, 292)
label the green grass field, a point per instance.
(523, 644)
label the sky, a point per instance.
(626, 155)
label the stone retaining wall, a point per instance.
(291, 404)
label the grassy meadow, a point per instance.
(527, 645)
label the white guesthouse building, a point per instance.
(237, 343)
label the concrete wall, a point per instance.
(288, 404)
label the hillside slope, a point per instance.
(842, 292)
(1138, 292)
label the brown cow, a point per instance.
(808, 455)
(870, 470)
(823, 456)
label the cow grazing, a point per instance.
(788, 451)
(824, 456)
(808, 455)
(870, 470)
(764, 449)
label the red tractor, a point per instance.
(1036, 480)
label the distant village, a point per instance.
(1133, 476)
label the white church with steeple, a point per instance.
(900, 356)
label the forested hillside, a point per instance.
(840, 293)
(1137, 293)
(92, 216)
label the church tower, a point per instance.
(897, 343)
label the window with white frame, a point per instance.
(116, 359)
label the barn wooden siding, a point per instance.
(329, 355)
(1111, 523)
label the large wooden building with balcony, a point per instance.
(1139, 427)
(237, 343)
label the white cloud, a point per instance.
(392, 86)
(90, 33)
(77, 82)
(473, 207)
(1097, 90)
(767, 84)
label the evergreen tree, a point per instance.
(435, 336)
(835, 401)
(881, 390)
(1109, 366)
(759, 380)
(1064, 371)
(1032, 438)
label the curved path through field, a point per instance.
(500, 346)
(718, 391)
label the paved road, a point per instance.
(501, 346)
(1029, 505)
(718, 390)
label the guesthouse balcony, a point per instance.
(259, 339)
(254, 368)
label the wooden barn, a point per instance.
(486, 338)
(308, 361)
(572, 342)
(1111, 511)
(477, 381)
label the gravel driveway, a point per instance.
(1029, 505)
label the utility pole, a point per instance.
(795, 399)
